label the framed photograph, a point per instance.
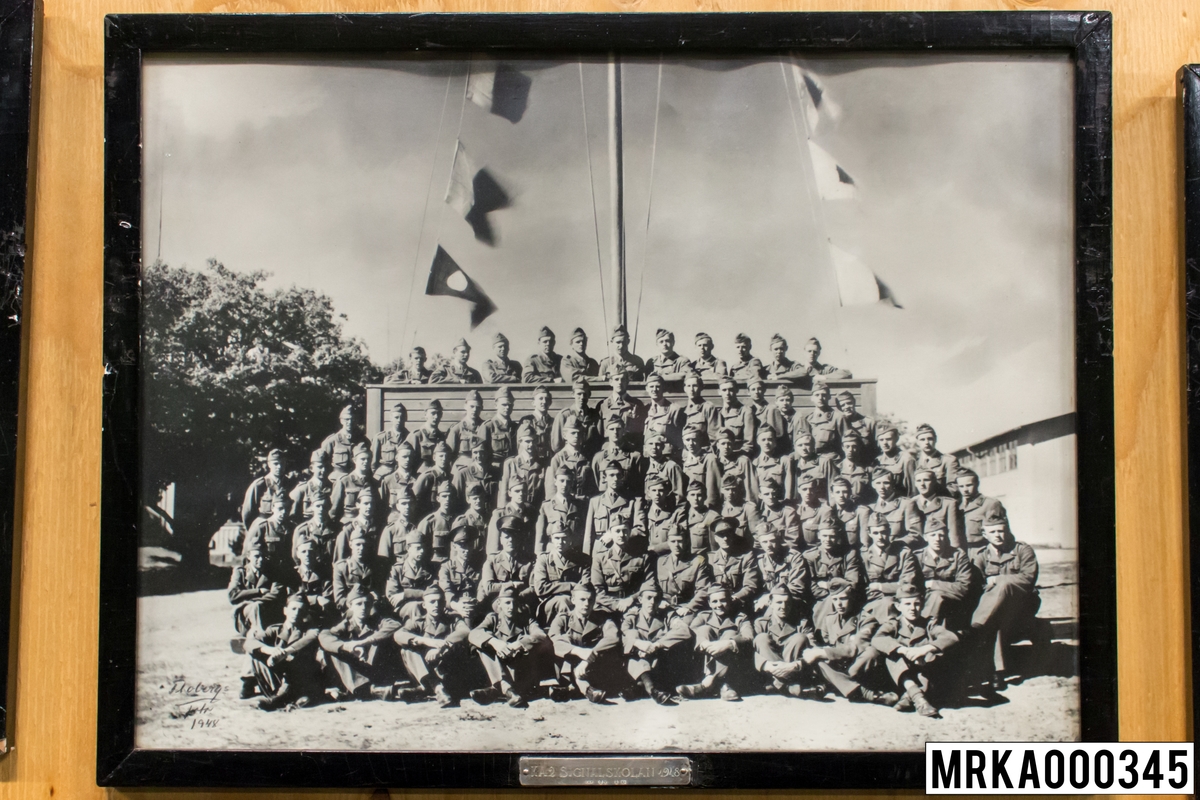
(399, 491)
(16, 180)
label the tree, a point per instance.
(230, 371)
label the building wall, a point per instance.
(1040, 494)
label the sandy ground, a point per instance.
(189, 681)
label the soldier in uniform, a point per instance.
(508, 567)
(474, 521)
(913, 647)
(353, 570)
(305, 492)
(620, 405)
(896, 461)
(863, 426)
(659, 465)
(501, 369)
(254, 595)
(887, 563)
(476, 473)
(403, 521)
(546, 366)
(782, 418)
(668, 365)
(339, 447)
(831, 558)
(564, 512)
(733, 416)
(409, 576)
(463, 434)
(519, 515)
(314, 584)
(526, 467)
(824, 423)
(555, 572)
(588, 648)
(779, 566)
(778, 516)
(657, 515)
(756, 393)
(431, 480)
(930, 504)
(433, 649)
(807, 463)
(729, 463)
(946, 576)
(623, 361)
(813, 367)
(616, 450)
(851, 515)
(843, 651)
(706, 364)
(262, 491)
(436, 527)
(698, 519)
(733, 565)
(779, 642)
(429, 435)
(618, 574)
(1010, 599)
(683, 578)
(856, 466)
(658, 650)
(974, 508)
(541, 423)
(269, 536)
(943, 465)
(663, 417)
(401, 482)
(903, 520)
(695, 410)
(735, 508)
(386, 442)
(586, 417)
(284, 659)
(745, 367)
(695, 461)
(359, 650)
(810, 508)
(772, 465)
(459, 576)
(605, 509)
(782, 368)
(501, 430)
(343, 503)
(578, 364)
(724, 636)
(457, 371)
(413, 370)
(516, 653)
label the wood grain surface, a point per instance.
(54, 709)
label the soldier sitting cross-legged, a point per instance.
(914, 648)
(433, 648)
(779, 642)
(360, 652)
(284, 659)
(843, 651)
(515, 651)
(588, 647)
(725, 638)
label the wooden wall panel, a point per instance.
(54, 711)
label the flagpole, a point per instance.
(616, 173)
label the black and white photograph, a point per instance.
(625, 403)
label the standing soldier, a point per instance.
(555, 572)
(658, 649)
(779, 516)
(663, 418)
(401, 482)
(429, 435)
(343, 503)
(476, 473)
(782, 418)
(359, 650)
(616, 450)
(810, 508)
(930, 505)
(668, 365)
(261, 493)
(305, 493)
(541, 423)
(525, 467)
(403, 522)
(813, 367)
(413, 370)
(728, 464)
(433, 648)
(851, 515)
(284, 659)
(706, 364)
(619, 405)
(588, 647)
(856, 466)
(578, 364)
(516, 653)
(695, 461)
(519, 515)
(864, 426)
(736, 510)
(436, 526)
(623, 362)
(1010, 599)
(779, 643)
(745, 367)
(782, 368)
(725, 637)
(254, 595)
(508, 567)
(974, 508)
(657, 515)
(605, 510)
(843, 652)
(457, 370)
(914, 647)
(946, 575)
(586, 417)
(772, 465)
(501, 430)
(570, 459)
(898, 511)
(409, 577)
(563, 512)
(733, 565)
(831, 558)
(463, 434)
(824, 423)
(364, 521)
(896, 461)
(316, 529)
(695, 410)
(339, 447)
(683, 578)
(617, 574)
(659, 466)
(546, 366)
(699, 519)
(386, 442)
(268, 535)
(756, 392)
(431, 480)
(459, 576)
(887, 563)
(501, 369)
(779, 567)
(733, 416)
(474, 521)
(354, 570)
(943, 465)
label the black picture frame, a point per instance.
(17, 124)
(1085, 37)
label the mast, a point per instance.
(616, 174)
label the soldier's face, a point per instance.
(358, 547)
(547, 344)
(291, 612)
(398, 418)
(621, 341)
(346, 419)
(821, 398)
(647, 601)
(416, 552)
(691, 442)
(581, 604)
(766, 541)
(461, 354)
(562, 483)
(619, 383)
(887, 441)
(458, 552)
(676, 544)
(841, 494)
(581, 396)
(742, 348)
(805, 448)
(471, 407)
(357, 609)
(525, 447)
(728, 393)
(319, 470)
(936, 539)
(692, 389)
(724, 541)
(541, 402)
(571, 435)
(558, 542)
(444, 500)
(655, 392)
(770, 495)
(968, 486)
(666, 344)
(850, 448)
(812, 352)
(657, 448)
(278, 510)
(404, 507)
(405, 459)
(516, 495)
(476, 502)
(579, 345)
(705, 346)
(620, 534)
(995, 534)
(808, 491)
(828, 538)
(846, 405)
(766, 441)
(927, 441)
(504, 607)
(433, 416)
(506, 541)
(501, 350)
(785, 402)
(779, 606)
(695, 498)
(613, 432)
(724, 447)
(757, 392)
(255, 560)
(881, 537)
(923, 481)
(883, 486)
(779, 350)
(441, 459)
(732, 495)
(841, 603)
(655, 493)
(362, 461)
(909, 607)
(275, 466)
(503, 407)
(304, 553)
(719, 604)
(417, 356)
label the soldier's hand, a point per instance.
(812, 655)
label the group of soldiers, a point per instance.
(631, 547)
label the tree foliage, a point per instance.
(231, 370)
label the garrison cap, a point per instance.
(583, 588)
(783, 390)
(345, 409)
(578, 334)
(726, 435)
(756, 381)
(845, 393)
(925, 427)
(361, 449)
(781, 591)
(727, 381)
(612, 466)
(840, 481)
(462, 535)
(717, 589)
(996, 515)
(965, 472)
(723, 527)
(741, 338)
(819, 385)
(839, 586)
(663, 333)
(925, 471)
(655, 436)
(806, 479)
(507, 591)
(557, 528)
(700, 337)
(813, 340)
(620, 330)
(275, 453)
(434, 403)
(806, 437)
(650, 587)
(571, 424)
(442, 447)
(356, 592)
(828, 521)
(581, 383)
(906, 590)
(877, 520)
(851, 436)
(413, 537)
(614, 420)
(318, 455)
(525, 432)
(769, 482)
(695, 428)
(730, 481)
(879, 473)
(677, 532)
(473, 395)
(656, 480)
(444, 487)
(545, 333)
(404, 446)
(935, 524)
(654, 378)
(777, 339)
(504, 393)
(405, 494)
(431, 590)
(885, 427)
(695, 484)
(498, 338)
(462, 343)
(358, 533)
(694, 377)
(541, 389)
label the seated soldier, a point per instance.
(683, 578)
(664, 419)
(564, 511)
(364, 521)
(338, 447)
(863, 426)
(618, 574)
(521, 520)
(462, 435)
(699, 519)
(782, 368)
(855, 466)
(284, 659)
(261, 493)
(622, 362)
(508, 566)
(316, 529)
(779, 642)
(429, 435)
(502, 433)
(554, 573)
(930, 506)
(733, 564)
(501, 368)
(402, 481)
(316, 486)
(832, 558)
(771, 464)
(943, 465)
(409, 577)
(605, 509)
(782, 417)
(457, 371)
(772, 511)
(668, 365)
(546, 366)
(254, 595)
(435, 528)
(843, 650)
(657, 649)
(973, 509)
(779, 566)
(725, 638)
(903, 519)
(385, 443)
(588, 649)
(541, 424)
(810, 508)
(360, 652)
(314, 587)
(695, 461)
(945, 576)
(734, 507)
(744, 366)
(412, 370)
(630, 411)
(432, 478)
(1010, 599)
(813, 367)
(353, 570)
(474, 521)
(887, 563)
(516, 653)
(657, 515)
(343, 502)
(824, 423)
(732, 415)
(727, 462)
(268, 535)
(476, 472)
(459, 576)
(756, 401)
(393, 537)
(695, 410)
(895, 460)
(806, 463)
(659, 466)
(571, 459)
(913, 647)
(585, 418)
(706, 364)
(434, 651)
(853, 515)
(578, 364)
(525, 468)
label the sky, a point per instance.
(332, 175)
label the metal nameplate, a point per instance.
(605, 771)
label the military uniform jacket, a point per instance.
(630, 410)
(322, 537)
(902, 466)
(339, 447)
(1017, 561)
(900, 632)
(577, 366)
(748, 370)
(383, 451)
(742, 421)
(670, 472)
(260, 496)
(456, 373)
(652, 629)
(628, 363)
(789, 570)
(504, 568)
(392, 543)
(971, 514)
(459, 580)
(423, 440)
(944, 508)
(945, 470)
(737, 572)
(270, 537)
(780, 630)
(784, 369)
(407, 581)
(524, 631)
(245, 586)
(467, 475)
(695, 467)
(854, 517)
(341, 545)
(904, 520)
(347, 574)
(429, 483)
(531, 473)
(699, 524)
(435, 531)
(566, 512)
(313, 586)
(709, 628)
(289, 638)
(671, 366)
(710, 368)
(665, 418)
(542, 368)
(463, 435)
(393, 486)
(783, 518)
(577, 464)
(889, 568)
(554, 574)
(589, 429)
(343, 503)
(948, 573)
(827, 429)
(810, 518)
(375, 629)
(684, 583)
(704, 414)
(302, 497)
(859, 475)
(738, 467)
(502, 435)
(477, 527)
(819, 467)
(631, 467)
(577, 632)
(410, 374)
(865, 427)
(498, 371)
(824, 567)
(785, 425)
(443, 627)
(777, 468)
(620, 575)
(844, 638)
(541, 427)
(523, 535)
(656, 523)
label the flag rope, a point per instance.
(637, 319)
(587, 145)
